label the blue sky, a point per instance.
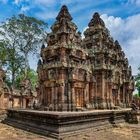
(122, 18)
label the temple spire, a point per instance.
(64, 13)
(43, 46)
(117, 43)
(64, 31)
(96, 20)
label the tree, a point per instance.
(10, 59)
(15, 64)
(3, 54)
(24, 34)
(136, 95)
(32, 75)
(137, 81)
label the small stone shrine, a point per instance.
(4, 92)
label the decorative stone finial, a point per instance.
(117, 43)
(130, 69)
(39, 62)
(79, 32)
(43, 46)
(96, 20)
(64, 13)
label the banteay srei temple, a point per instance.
(82, 83)
(83, 74)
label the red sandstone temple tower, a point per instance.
(114, 82)
(76, 74)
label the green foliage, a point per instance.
(8, 81)
(32, 75)
(24, 34)
(136, 95)
(3, 54)
(137, 82)
(10, 60)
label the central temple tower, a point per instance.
(64, 72)
(76, 74)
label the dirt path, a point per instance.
(127, 132)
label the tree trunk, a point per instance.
(0, 64)
(13, 79)
(26, 65)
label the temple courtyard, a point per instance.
(124, 131)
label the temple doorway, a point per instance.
(27, 103)
(114, 95)
(48, 96)
(79, 97)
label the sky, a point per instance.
(121, 17)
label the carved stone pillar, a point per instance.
(63, 97)
(124, 98)
(127, 98)
(103, 103)
(85, 94)
(118, 102)
(130, 97)
(45, 97)
(69, 97)
(95, 96)
(92, 94)
(110, 95)
(107, 94)
(55, 98)
(87, 90)
(52, 98)
(73, 94)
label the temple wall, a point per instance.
(4, 101)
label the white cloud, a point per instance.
(127, 31)
(49, 15)
(82, 35)
(24, 9)
(136, 2)
(67, 1)
(17, 2)
(4, 1)
(54, 2)
(45, 2)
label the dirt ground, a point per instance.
(123, 132)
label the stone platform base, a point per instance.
(2, 114)
(134, 117)
(62, 124)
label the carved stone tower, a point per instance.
(76, 74)
(114, 81)
(64, 70)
